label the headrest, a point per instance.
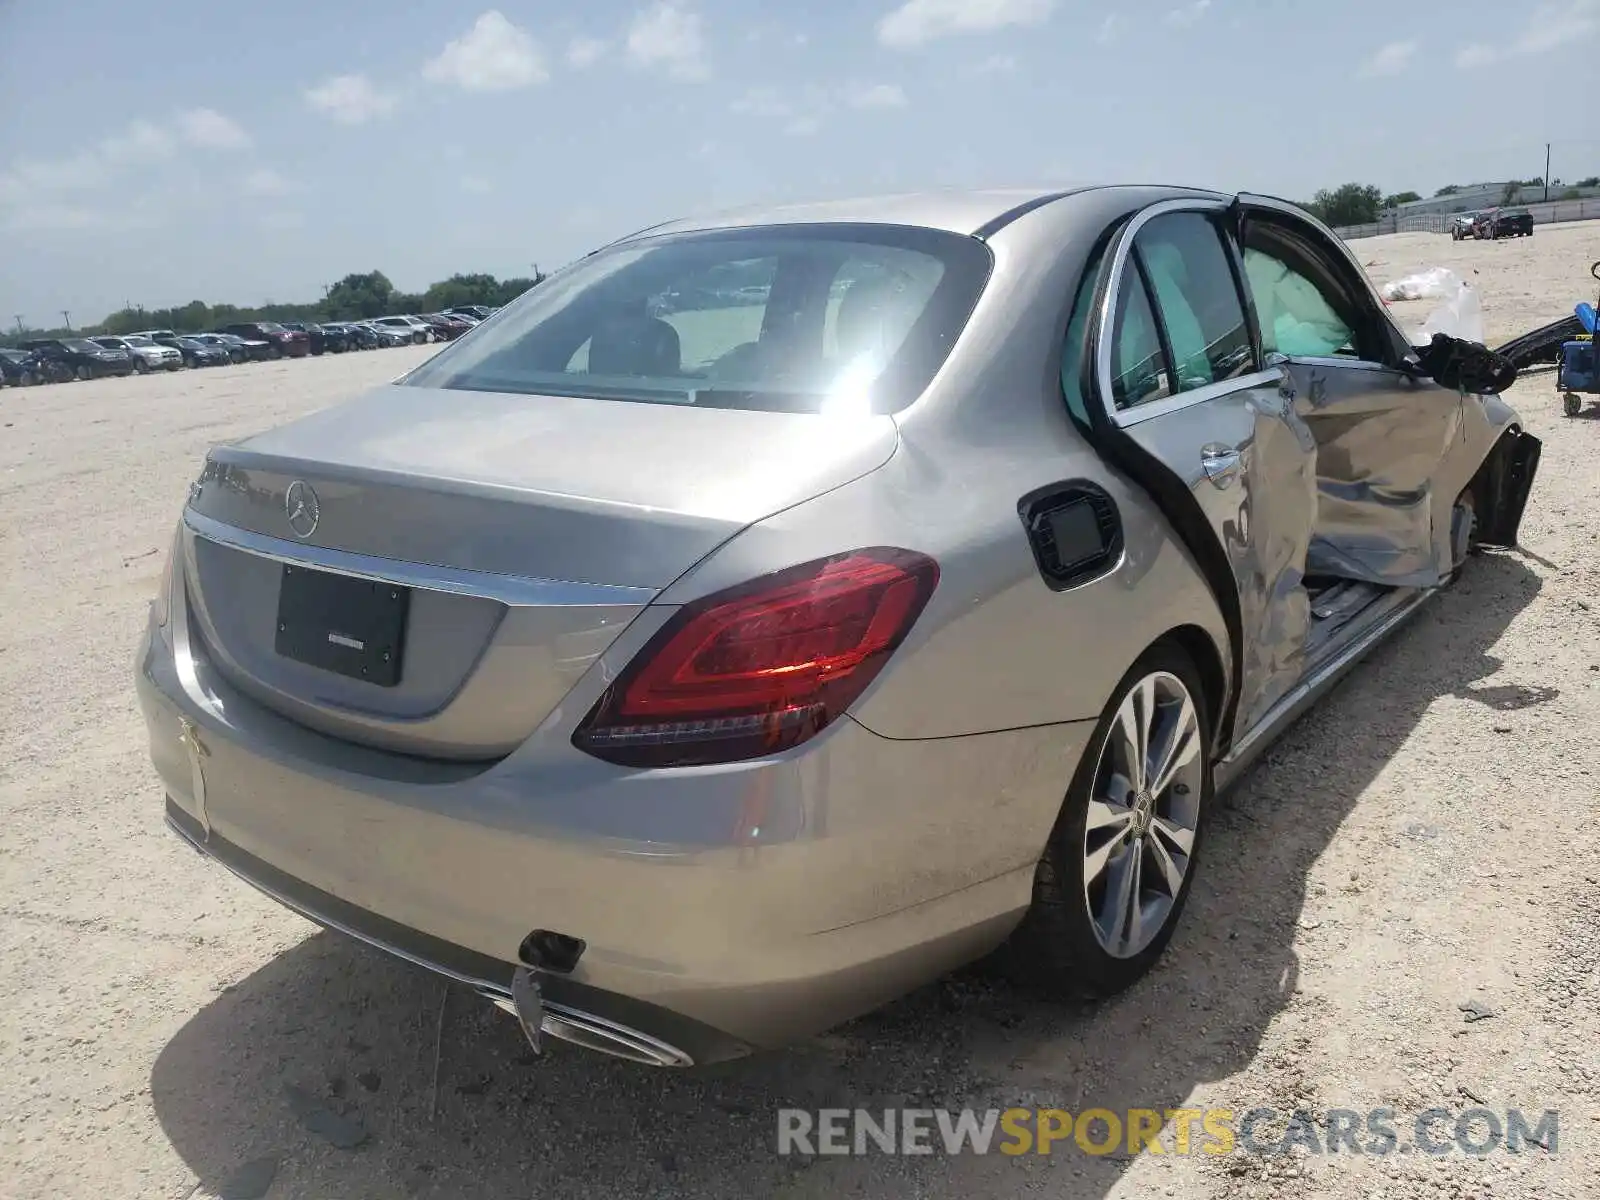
(635, 346)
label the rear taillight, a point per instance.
(761, 667)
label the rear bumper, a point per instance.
(844, 875)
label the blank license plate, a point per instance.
(353, 627)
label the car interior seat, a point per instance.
(635, 345)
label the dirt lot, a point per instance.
(1426, 838)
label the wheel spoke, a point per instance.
(1105, 814)
(1181, 839)
(1122, 897)
(1176, 750)
(1094, 862)
(1171, 872)
(1133, 726)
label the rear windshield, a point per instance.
(799, 318)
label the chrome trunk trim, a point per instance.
(515, 591)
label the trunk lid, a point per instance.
(525, 531)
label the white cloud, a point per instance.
(476, 184)
(668, 37)
(995, 64)
(210, 130)
(585, 52)
(879, 95)
(55, 217)
(1476, 55)
(918, 21)
(1549, 27)
(1391, 59)
(1110, 27)
(762, 102)
(1188, 14)
(351, 99)
(803, 113)
(141, 141)
(264, 181)
(493, 56)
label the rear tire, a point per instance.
(1111, 885)
(82, 374)
(140, 366)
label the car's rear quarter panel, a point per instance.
(996, 647)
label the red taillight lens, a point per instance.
(761, 667)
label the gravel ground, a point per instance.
(1423, 839)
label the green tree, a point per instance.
(1400, 198)
(1348, 204)
(1449, 189)
(357, 297)
(459, 290)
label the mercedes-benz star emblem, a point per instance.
(300, 502)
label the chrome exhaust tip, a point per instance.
(542, 1018)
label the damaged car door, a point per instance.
(1180, 377)
(1385, 507)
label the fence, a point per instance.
(1547, 213)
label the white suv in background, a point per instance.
(420, 330)
(146, 354)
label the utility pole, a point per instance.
(20, 329)
(67, 317)
(1547, 171)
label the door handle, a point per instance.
(1220, 463)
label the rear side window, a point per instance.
(793, 318)
(1139, 371)
(1187, 266)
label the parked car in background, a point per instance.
(148, 355)
(419, 329)
(608, 680)
(355, 335)
(164, 337)
(284, 343)
(19, 368)
(324, 339)
(1461, 225)
(390, 335)
(1496, 223)
(81, 358)
(231, 346)
(446, 327)
(252, 348)
(197, 353)
(480, 311)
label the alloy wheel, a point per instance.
(1144, 814)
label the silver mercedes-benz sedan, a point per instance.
(767, 614)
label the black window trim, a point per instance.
(1121, 253)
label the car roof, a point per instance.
(964, 211)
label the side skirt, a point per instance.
(1383, 618)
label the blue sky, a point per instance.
(184, 150)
